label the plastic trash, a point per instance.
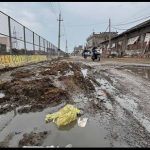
(82, 122)
(84, 72)
(64, 116)
(52, 146)
(69, 145)
(2, 95)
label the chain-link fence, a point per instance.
(19, 45)
(16, 39)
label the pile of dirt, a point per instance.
(33, 139)
(41, 92)
(38, 93)
(77, 82)
(62, 67)
(73, 81)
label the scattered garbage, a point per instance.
(82, 122)
(84, 72)
(2, 95)
(69, 145)
(64, 116)
(52, 146)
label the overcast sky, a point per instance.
(80, 18)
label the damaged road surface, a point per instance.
(112, 98)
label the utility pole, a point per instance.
(66, 47)
(59, 31)
(109, 33)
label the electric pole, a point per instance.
(109, 33)
(66, 47)
(59, 31)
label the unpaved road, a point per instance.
(113, 95)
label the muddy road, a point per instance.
(114, 96)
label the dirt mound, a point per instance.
(62, 67)
(70, 75)
(39, 93)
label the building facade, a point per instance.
(78, 50)
(134, 41)
(96, 38)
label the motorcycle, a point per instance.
(96, 56)
(86, 54)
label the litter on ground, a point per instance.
(84, 72)
(82, 122)
(64, 116)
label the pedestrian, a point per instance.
(94, 52)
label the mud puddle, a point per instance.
(19, 124)
(15, 126)
(141, 71)
(92, 135)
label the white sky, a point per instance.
(80, 18)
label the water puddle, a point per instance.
(92, 135)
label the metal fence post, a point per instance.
(39, 44)
(33, 44)
(47, 46)
(47, 50)
(24, 40)
(9, 28)
(44, 44)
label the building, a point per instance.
(96, 38)
(78, 50)
(4, 44)
(134, 41)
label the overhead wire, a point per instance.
(132, 21)
(53, 10)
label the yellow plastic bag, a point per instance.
(64, 116)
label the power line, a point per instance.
(132, 21)
(64, 30)
(59, 7)
(118, 28)
(53, 10)
(133, 16)
(86, 25)
(107, 28)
